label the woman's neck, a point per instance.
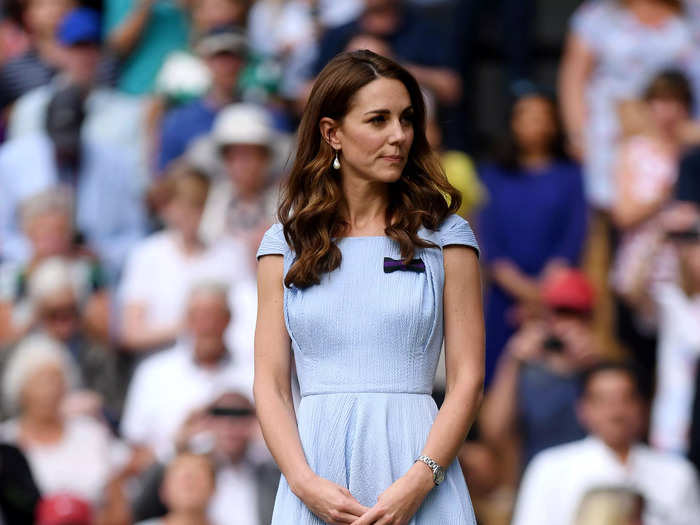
(535, 160)
(35, 428)
(367, 202)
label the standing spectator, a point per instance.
(522, 243)
(613, 49)
(108, 208)
(224, 50)
(188, 486)
(168, 386)
(243, 204)
(142, 33)
(111, 117)
(71, 454)
(47, 223)
(646, 174)
(611, 408)
(163, 267)
(533, 397)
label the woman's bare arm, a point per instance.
(275, 408)
(576, 67)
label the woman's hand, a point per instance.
(397, 504)
(330, 502)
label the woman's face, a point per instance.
(43, 391)
(376, 134)
(247, 166)
(533, 123)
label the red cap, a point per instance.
(568, 289)
(63, 509)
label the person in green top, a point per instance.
(143, 33)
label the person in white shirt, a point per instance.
(163, 267)
(168, 386)
(611, 408)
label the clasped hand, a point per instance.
(395, 506)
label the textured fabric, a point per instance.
(366, 346)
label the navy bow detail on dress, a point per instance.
(393, 265)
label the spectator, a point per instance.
(188, 486)
(14, 40)
(193, 372)
(533, 397)
(111, 117)
(611, 408)
(35, 66)
(224, 50)
(108, 208)
(142, 33)
(47, 223)
(521, 244)
(162, 268)
(245, 486)
(646, 173)
(406, 33)
(63, 509)
(18, 492)
(71, 454)
(597, 74)
(242, 205)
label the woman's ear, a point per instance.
(329, 132)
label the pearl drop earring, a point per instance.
(336, 161)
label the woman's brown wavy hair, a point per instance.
(312, 199)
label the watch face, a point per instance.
(439, 476)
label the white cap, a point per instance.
(243, 124)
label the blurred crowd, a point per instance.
(142, 143)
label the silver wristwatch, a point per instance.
(438, 471)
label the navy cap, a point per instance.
(80, 26)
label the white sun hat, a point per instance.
(243, 123)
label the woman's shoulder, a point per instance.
(273, 241)
(454, 229)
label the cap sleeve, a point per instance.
(455, 230)
(273, 242)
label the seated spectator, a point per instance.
(522, 244)
(188, 486)
(62, 311)
(406, 33)
(18, 492)
(533, 397)
(224, 51)
(64, 509)
(242, 205)
(612, 410)
(47, 223)
(71, 454)
(646, 174)
(142, 33)
(108, 207)
(161, 269)
(611, 506)
(245, 485)
(111, 117)
(192, 373)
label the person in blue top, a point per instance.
(367, 273)
(534, 221)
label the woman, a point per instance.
(72, 454)
(614, 47)
(534, 221)
(367, 444)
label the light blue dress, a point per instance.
(366, 345)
